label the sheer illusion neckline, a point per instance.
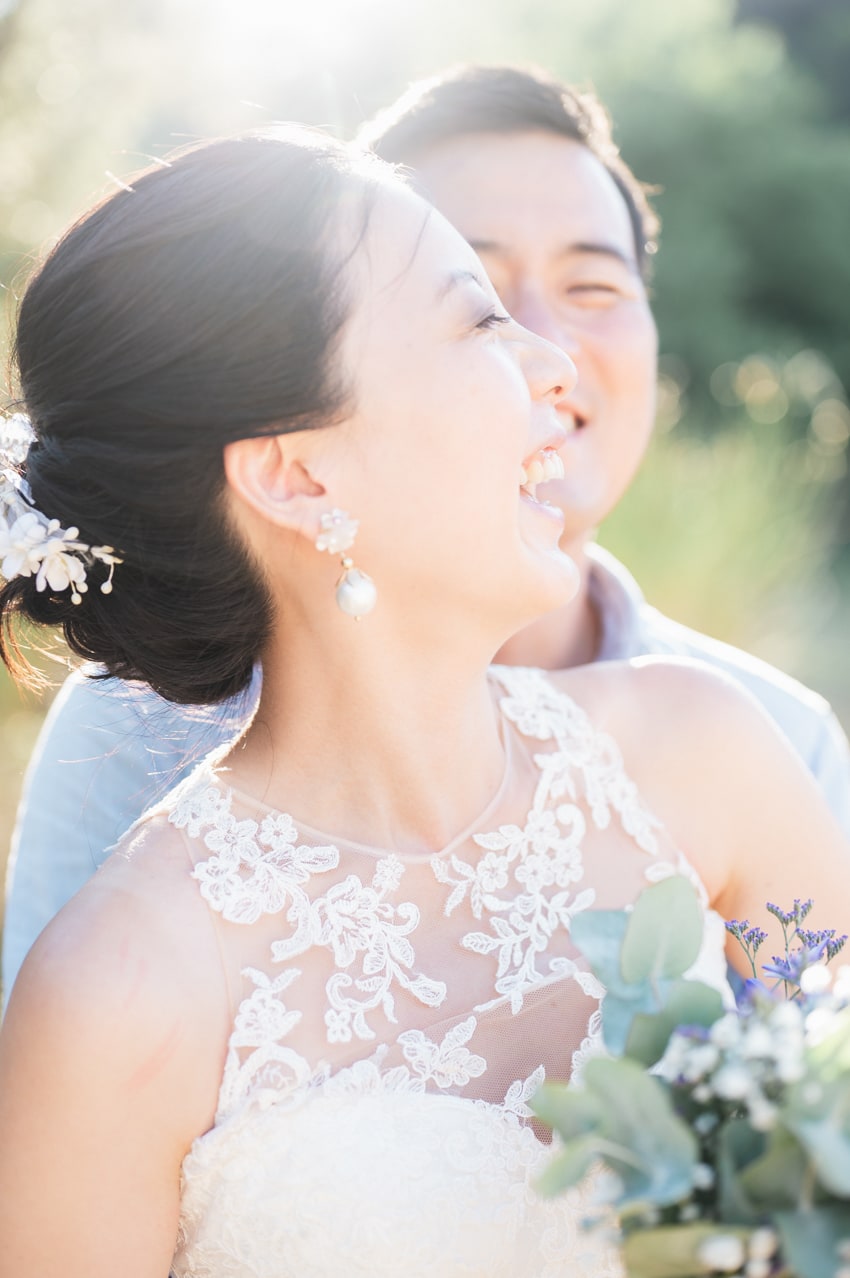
(309, 833)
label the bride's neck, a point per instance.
(391, 744)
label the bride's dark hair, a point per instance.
(200, 306)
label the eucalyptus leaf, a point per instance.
(686, 1003)
(827, 1143)
(664, 932)
(830, 1058)
(670, 1252)
(571, 1111)
(738, 1146)
(810, 1239)
(569, 1167)
(774, 1180)
(599, 935)
(643, 1139)
(620, 1011)
(817, 1109)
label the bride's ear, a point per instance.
(267, 477)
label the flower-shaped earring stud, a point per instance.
(356, 594)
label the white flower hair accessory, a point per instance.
(31, 545)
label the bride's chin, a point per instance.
(551, 583)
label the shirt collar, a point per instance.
(619, 602)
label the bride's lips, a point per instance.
(544, 464)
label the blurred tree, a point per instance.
(816, 35)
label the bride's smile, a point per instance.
(279, 417)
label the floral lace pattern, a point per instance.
(277, 1188)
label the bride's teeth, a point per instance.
(523, 476)
(535, 471)
(553, 466)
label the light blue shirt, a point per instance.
(109, 750)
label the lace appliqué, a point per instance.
(543, 713)
(256, 868)
(508, 882)
(260, 868)
(447, 1065)
(272, 1072)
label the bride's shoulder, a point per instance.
(106, 986)
(651, 693)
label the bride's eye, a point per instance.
(493, 320)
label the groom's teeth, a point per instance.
(523, 476)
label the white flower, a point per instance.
(762, 1113)
(339, 1025)
(819, 1023)
(16, 435)
(61, 567)
(787, 1016)
(492, 873)
(758, 1041)
(31, 545)
(21, 546)
(763, 1243)
(723, 1253)
(388, 874)
(338, 532)
(732, 1082)
(726, 1032)
(815, 979)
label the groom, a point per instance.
(528, 172)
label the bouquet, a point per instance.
(718, 1137)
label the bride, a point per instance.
(292, 1025)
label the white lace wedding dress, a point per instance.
(392, 1016)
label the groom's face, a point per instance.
(555, 237)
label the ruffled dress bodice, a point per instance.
(393, 1015)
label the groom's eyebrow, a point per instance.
(582, 248)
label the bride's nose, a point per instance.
(549, 371)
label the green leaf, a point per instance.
(738, 1146)
(687, 1003)
(817, 1109)
(569, 1167)
(670, 1251)
(571, 1111)
(774, 1180)
(809, 1239)
(664, 932)
(622, 1117)
(827, 1144)
(599, 935)
(643, 1139)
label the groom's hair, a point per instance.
(472, 99)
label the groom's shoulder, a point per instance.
(94, 716)
(803, 715)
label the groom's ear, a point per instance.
(270, 477)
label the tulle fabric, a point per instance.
(393, 1016)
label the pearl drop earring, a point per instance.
(355, 591)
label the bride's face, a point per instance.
(452, 399)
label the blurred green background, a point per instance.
(738, 111)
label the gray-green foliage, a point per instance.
(693, 1161)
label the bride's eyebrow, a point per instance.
(456, 278)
